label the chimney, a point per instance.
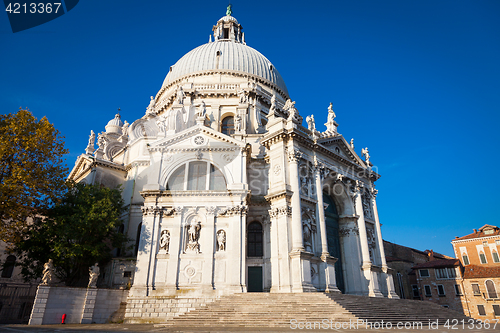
(475, 231)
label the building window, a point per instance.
(495, 256)
(254, 240)
(427, 290)
(414, 289)
(475, 289)
(127, 274)
(482, 257)
(228, 125)
(197, 175)
(440, 290)
(424, 273)
(458, 290)
(465, 259)
(445, 273)
(496, 309)
(8, 267)
(490, 288)
(480, 310)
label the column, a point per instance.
(297, 240)
(373, 290)
(328, 264)
(388, 277)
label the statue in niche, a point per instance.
(304, 185)
(180, 95)
(202, 111)
(221, 240)
(364, 152)
(237, 123)
(48, 272)
(308, 229)
(193, 234)
(165, 240)
(151, 107)
(94, 272)
(311, 124)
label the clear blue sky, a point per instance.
(417, 82)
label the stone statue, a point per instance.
(101, 141)
(193, 233)
(221, 240)
(237, 123)
(94, 272)
(165, 240)
(352, 143)
(311, 125)
(202, 111)
(125, 127)
(364, 152)
(272, 109)
(243, 96)
(161, 122)
(331, 114)
(180, 95)
(48, 272)
(151, 107)
(91, 139)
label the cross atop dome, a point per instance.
(228, 28)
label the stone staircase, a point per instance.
(280, 310)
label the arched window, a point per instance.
(490, 287)
(200, 176)
(254, 240)
(228, 125)
(8, 267)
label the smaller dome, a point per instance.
(116, 121)
(228, 18)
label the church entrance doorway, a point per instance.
(255, 279)
(333, 238)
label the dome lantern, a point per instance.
(228, 28)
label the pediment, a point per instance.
(197, 137)
(339, 146)
(81, 167)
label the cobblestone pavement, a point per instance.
(101, 328)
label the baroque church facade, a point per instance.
(228, 192)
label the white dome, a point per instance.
(116, 121)
(226, 55)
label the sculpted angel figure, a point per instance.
(352, 143)
(125, 127)
(162, 123)
(273, 106)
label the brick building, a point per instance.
(478, 253)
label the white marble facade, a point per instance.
(221, 180)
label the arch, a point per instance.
(490, 288)
(227, 125)
(198, 176)
(255, 240)
(333, 238)
(339, 193)
(8, 267)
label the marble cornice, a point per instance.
(275, 137)
(167, 193)
(308, 200)
(279, 195)
(134, 164)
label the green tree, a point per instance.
(80, 230)
(32, 171)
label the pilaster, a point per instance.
(38, 311)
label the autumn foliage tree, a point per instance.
(32, 171)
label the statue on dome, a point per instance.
(229, 10)
(180, 95)
(364, 152)
(125, 127)
(151, 107)
(202, 111)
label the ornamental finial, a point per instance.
(229, 10)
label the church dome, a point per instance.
(228, 53)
